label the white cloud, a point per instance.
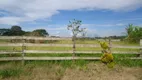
(31, 10)
(103, 25)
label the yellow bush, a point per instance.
(107, 58)
(104, 45)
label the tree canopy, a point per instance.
(134, 33)
(17, 31)
(40, 32)
(16, 28)
(74, 26)
(4, 31)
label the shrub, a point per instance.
(107, 57)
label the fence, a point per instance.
(24, 51)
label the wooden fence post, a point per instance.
(23, 54)
(110, 45)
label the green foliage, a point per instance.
(107, 57)
(16, 28)
(16, 31)
(10, 72)
(134, 33)
(74, 26)
(4, 31)
(104, 45)
(39, 32)
(110, 65)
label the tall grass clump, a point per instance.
(10, 72)
(124, 60)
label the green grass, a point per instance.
(4, 41)
(11, 55)
(121, 59)
(79, 42)
(129, 63)
(48, 55)
(94, 42)
(10, 72)
(124, 43)
(10, 48)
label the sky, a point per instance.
(100, 17)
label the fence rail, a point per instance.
(67, 52)
(55, 58)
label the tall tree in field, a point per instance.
(74, 26)
(16, 31)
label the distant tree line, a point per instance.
(112, 37)
(17, 31)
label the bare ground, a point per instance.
(91, 71)
(101, 72)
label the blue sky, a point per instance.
(100, 17)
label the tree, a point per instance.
(40, 32)
(4, 32)
(74, 26)
(16, 28)
(16, 31)
(134, 33)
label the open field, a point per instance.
(95, 42)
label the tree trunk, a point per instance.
(74, 47)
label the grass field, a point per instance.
(77, 42)
(68, 70)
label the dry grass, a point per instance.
(91, 71)
(101, 72)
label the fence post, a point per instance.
(110, 45)
(140, 47)
(23, 54)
